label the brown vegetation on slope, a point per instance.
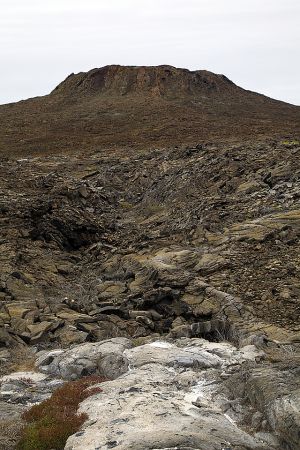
(50, 423)
(143, 107)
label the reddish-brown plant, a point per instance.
(50, 423)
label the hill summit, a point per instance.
(165, 81)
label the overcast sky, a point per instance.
(254, 42)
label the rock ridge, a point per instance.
(158, 81)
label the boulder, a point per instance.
(105, 358)
(26, 388)
(276, 392)
(170, 355)
(73, 316)
(210, 263)
(70, 335)
(19, 309)
(250, 186)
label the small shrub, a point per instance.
(50, 423)
(27, 381)
(292, 143)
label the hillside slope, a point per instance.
(142, 107)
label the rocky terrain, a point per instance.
(175, 394)
(171, 268)
(100, 246)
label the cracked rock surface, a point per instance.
(181, 394)
(169, 394)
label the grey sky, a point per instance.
(254, 42)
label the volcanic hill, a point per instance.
(142, 107)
